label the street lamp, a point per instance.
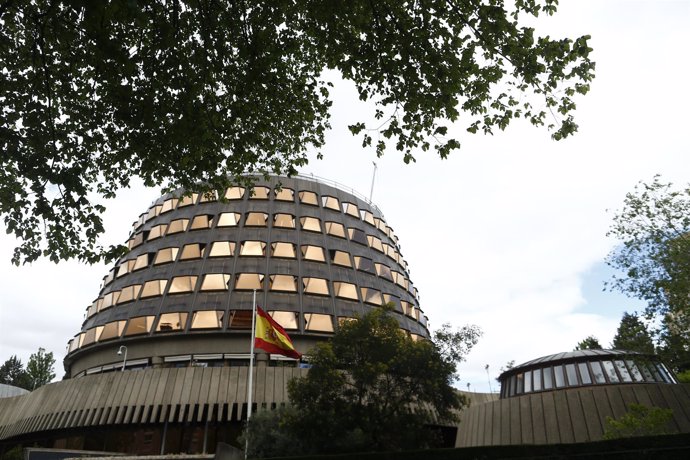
(119, 353)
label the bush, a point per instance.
(639, 421)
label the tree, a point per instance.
(632, 334)
(184, 92)
(640, 420)
(12, 373)
(370, 387)
(654, 261)
(39, 369)
(589, 343)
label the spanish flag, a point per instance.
(271, 337)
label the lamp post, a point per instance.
(119, 353)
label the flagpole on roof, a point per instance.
(250, 379)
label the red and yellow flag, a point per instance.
(271, 337)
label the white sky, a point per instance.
(508, 233)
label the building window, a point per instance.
(384, 271)
(182, 284)
(364, 264)
(311, 224)
(139, 325)
(330, 202)
(340, 258)
(351, 209)
(209, 196)
(259, 193)
(178, 226)
(335, 229)
(357, 236)
(249, 281)
(367, 217)
(169, 205)
(256, 219)
(201, 221)
(188, 200)
(372, 296)
(142, 261)
(192, 251)
(129, 293)
(229, 219)
(308, 198)
(287, 319)
(315, 253)
(207, 319)
(234, 193)
(315, 286)
(285, 194)
(318, 322)
(169, 322)
(153, 288)
(154, 211)
(284, 220)
(253, 248)
(112, 330)
(375, 243)
(281, 249)
(240, 319)
(156, 232)
(215, 282)
(286, 283)
(222, 249)
(345, 290)
(165, 255)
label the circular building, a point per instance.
(177, 308)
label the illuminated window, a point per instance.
(139, 325)
(156, 232)
(181, 284)
(371, 296)
(208, 196)
(110, 299)
(315, 286)
(125, 267)
(141, 261)
(229, 219)
(351, 209)
(330, 202)
(153, 288)
(260, 193)
(281, 249)
(308, 198)
(201, 221)
(188, 200)
(364, 264)
(286, 283)
(256, 219)
(318, 322)
(357, 236)
(384, 271)
(222, 249)
(192, 251)
(367, 217)
(285, 194)
(374, 243)
(234, 193)
(172, 322)
(345, 290)
(335, 229)
(240, 319)
(284, 221)
(129, 293)
(340, 258)
(287, 319)
(165, 255)
(89, 336)
(313, 253)
(311, 224)
(154, 211)
(253, 248)
(207, 319)
(112, 330)
(215, 282)
(249, 281)
(177, 226)
(169, 205)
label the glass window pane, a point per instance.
(249, 281)
(165, 255)
(597, 372)
(559, 376)
(371, 296)
(335, 229)
(285, 194)
(634, 371)
(646, 373)
(201, 222)
(112, 330)
(192, 251)
(89, 337)
(384, 271)
(228, 219)
(286, 283)
(623, 371)
(375, 243)
(571, 374)
(308, 198)
(364, 264)
(287, 319)
(222, 249)
(153, 288)
(172, 322)
(528, 382)
(177, 226)
(367, 217)
(357, 235)
(234, 193)
(181, 284)
(240, 319)
(311, 224)
(260, 193)
(209, 196)
(351, 209)
(584, 374)
(345, 290)
(536, 379)
(318, 322)
(610, 371)
(256, 219)
(156, 232)
(664, 374)
(284, 221)
(208, 319)
(520, 384)
(215, 282)
(188, 200)
(141, 261)
(282, 249)
(129, 293)
(340, 258)
(330, 202)
(139, 325)
(548, 378)
(313, 253)
(253, 248)
(169, 205)
(315, 286)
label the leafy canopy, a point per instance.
(589, 343)
(369, 388)
(632, 334)
(94, 93)
(38, 372)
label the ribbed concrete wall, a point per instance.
(148, 396)
(566, 416)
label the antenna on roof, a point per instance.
(373, 177)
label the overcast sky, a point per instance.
(509, 233)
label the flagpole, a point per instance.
(250, 379)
